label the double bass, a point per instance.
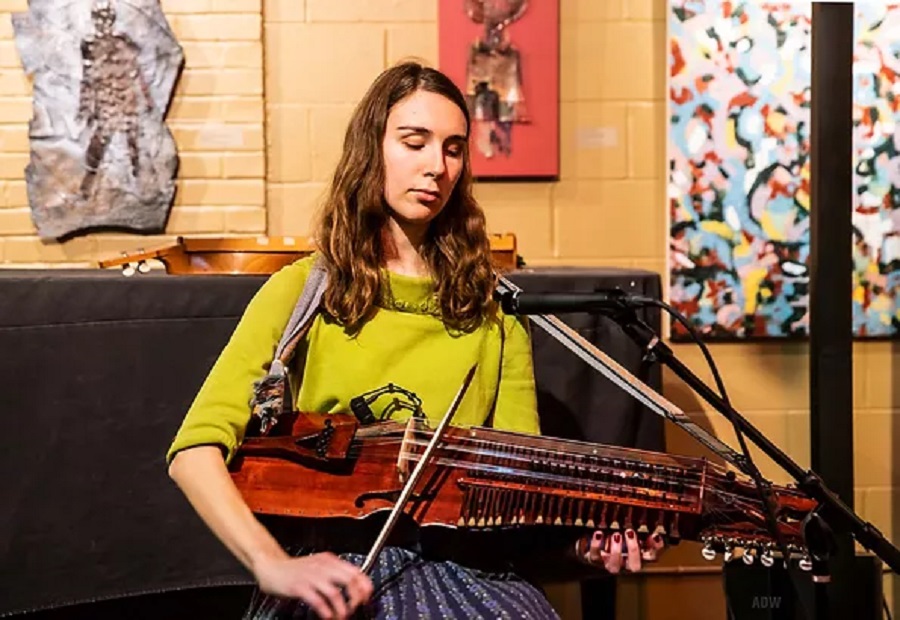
(482, 484)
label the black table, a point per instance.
(96, 372)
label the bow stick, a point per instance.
(417, 473)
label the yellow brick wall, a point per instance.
(257, 149)
(309, 103)
(217, 118)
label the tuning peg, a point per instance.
(766, 559)
(805, 563)
(128, 269)
(143, 267)
(729, 553)
(708, 553)
(748, 557)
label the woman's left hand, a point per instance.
(613, 550)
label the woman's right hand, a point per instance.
(320, 580)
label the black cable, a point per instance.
(762, 486)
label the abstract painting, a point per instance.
(876, 140)
(101, 155)
(739, 169)
(504, 55)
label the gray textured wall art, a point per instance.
(102, 157)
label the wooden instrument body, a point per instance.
(326, 466)
(259, 255)
(315, 488)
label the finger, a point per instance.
(357, 585)
(334, 597)
(335, 570)
(317, 602)
(613, 561)
(360, 589)
(652, 546)
(596, 546)
(582, 547)
(633, 562)
(607, 562)
(343, 570)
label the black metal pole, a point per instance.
(831, 345)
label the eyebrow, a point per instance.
(428, 132)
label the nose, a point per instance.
(436, 162)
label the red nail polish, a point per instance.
(617, 538)
(630, 534)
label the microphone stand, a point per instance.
(832, 514)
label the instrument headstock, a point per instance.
(734, 520)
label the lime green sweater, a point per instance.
(404, 343)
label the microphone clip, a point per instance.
(360, 405)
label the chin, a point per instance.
(416, 214)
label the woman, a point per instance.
(408, 302)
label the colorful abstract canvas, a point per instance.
(739, 96)
(739, 169)
(876, 140)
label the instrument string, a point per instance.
(619, 480)
(591, 464)
(578, 466)
(547, 454)
(621, 477)
(550, 445)
(517, 461)
(565, 483)
(619, 474)
(597, 464)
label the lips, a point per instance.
(428, 194)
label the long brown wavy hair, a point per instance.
(350, 230)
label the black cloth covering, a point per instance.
(97, 372)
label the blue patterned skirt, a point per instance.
(408, 587)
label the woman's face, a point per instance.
(424, 149)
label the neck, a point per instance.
(402, 243)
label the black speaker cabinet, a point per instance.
(759, 593)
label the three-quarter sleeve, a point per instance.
(516, 406)
(220, 412)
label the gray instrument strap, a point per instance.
(305, 310)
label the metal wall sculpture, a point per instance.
(503, 54)
(102, 157)
(739, 117)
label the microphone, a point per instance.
(521, 302)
